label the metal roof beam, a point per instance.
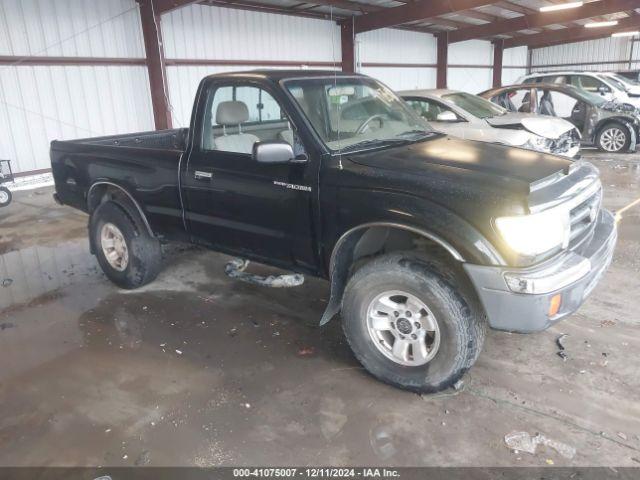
(542, 19)
(571, 35)
(418, 10)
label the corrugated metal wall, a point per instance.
(388, 46)
(590, 55)
(470, 79)
(238, 35)
(514, 57)
(42, 103)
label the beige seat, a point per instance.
(287, 136)
(229, 114)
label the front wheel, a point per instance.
(614, 137)
(5, 196)
(409, 325)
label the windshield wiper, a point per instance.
(375, 142)
(415, 133)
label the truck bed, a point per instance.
(166, 139)
(144, 164)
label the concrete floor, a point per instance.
(197, 369)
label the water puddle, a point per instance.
(34, 271)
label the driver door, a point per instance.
(234, 203)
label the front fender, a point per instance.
(459, 238)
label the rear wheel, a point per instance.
(5, 196)
(128, 255)
(409, 325)
(614, 137)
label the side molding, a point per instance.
(133, 201)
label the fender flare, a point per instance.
(129, 196)
(341, 257)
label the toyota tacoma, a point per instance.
(426, 240)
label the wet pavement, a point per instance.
(199, 369)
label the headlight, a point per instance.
(537, 233)
(539, 144)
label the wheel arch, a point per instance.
(372, 239)
(102, 191)
(616, 119)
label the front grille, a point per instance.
(583, 218)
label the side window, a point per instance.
(239, 116)
(520, 100)
(555, 104)
(590, 84)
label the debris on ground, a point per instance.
(524, 442)
(306, 351)
(458, 385)
(233, 332)
(622, 435)
(179, 352)
(5, 325)
(7, 282)
(143, 459)
(236, 269)
(560, 342)
(607, 323)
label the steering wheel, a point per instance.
(363, 126)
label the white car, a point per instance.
(471, 117)
(631, 86)
(607, 86)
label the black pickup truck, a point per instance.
(426, 240)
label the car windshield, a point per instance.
(353, 113)
(476, 106)
(615, 82)
(629, 82)
(591, 98)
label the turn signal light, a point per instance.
(554, 305)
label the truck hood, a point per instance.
(544, 126)
(490, 159)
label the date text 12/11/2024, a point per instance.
(316, 472)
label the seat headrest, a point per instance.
(232, 113)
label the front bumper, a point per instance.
(565, 275)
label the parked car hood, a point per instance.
(544, 126)
(490, 159)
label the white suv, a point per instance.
(602, 84)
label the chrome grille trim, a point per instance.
(583, 216)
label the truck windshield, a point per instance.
(476, 106)
(353, 113)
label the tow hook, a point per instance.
(236, 269)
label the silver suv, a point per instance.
(598, 83)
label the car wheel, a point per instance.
(5, 196)
(409, 325)
(613, 137)
(128, 255)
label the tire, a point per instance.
(613, 137)
(460, 322)
(143, 252)
(5, 196)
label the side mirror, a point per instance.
(446, 116)
(272, 151)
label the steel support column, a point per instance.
(348, 47)
(441, 61)
(498, 49)
(155, 61)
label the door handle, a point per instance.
(198, 175)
